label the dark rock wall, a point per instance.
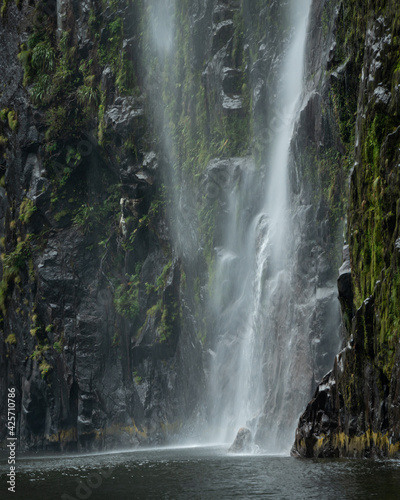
(96, 338)
(355, 409)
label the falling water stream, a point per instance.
(260, 373)
(261, 368)
(251, 382)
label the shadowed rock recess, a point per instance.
(110, 226)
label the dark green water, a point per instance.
(199, 473)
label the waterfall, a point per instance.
(260, 371)
(260, 320)
(160, 22)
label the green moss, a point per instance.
(112, 53)
(116, 339)
(126, 297)
(26, 210)
(207, 217)
(94, 21)
(4, 7)
(57, 346)
(25, 57)
(154, 309)
(372, 214)
(101, 119)
(39, 355)
(11, 339)
(125, 77)
(109, 53)
(12, 120)
(161, 280)
(170, 315)
(4, 114)
(44, 368)
(325, 20)
(196, 291)
(137, 378)
(13, 263)
(373, 211)
(58, 216)
(34, 331)
(56, 118)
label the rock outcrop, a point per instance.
(243, 441)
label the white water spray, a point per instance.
(255, 375)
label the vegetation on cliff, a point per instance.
(354, 411)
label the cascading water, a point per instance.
(261, 371)
(262, 357)
(161, 19)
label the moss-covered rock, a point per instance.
(354, 411)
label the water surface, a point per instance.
(200, 473)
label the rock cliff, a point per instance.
(96, 337)
(355, 409)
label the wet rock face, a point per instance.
(126, 114)
(87, 248)
(354, 411)
(345, 287)
(222, 175)
(243, 441)
(223, 74)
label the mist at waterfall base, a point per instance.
(182, 473)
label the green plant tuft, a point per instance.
(12, 120)
(11, 339)
(26, 210)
